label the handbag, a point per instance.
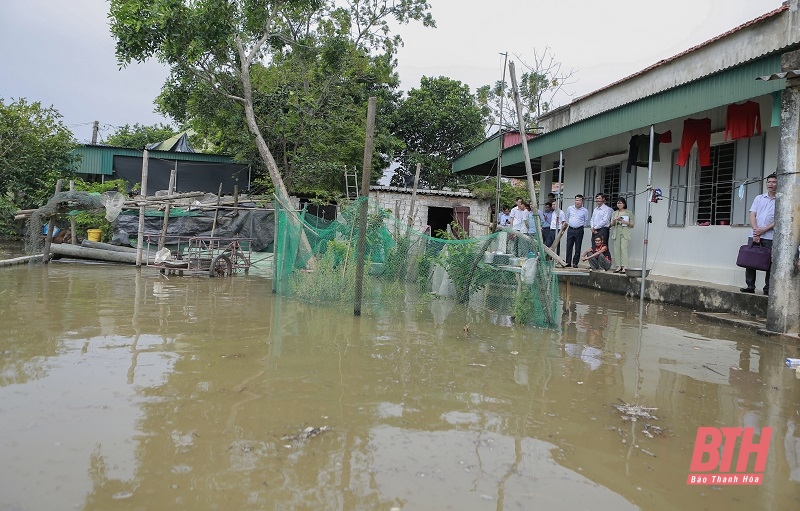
(756, 257)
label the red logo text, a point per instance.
(713, 456)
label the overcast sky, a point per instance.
(60, 52)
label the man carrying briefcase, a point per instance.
(762, 220)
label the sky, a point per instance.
(61, 53)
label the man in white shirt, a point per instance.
(762, 220)
(577, 220)
(517, 216)
(505, 218)
(601, 219)
(557, 223)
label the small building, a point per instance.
(434, 210)
(195, 172)
(697, 228)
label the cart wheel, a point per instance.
(221, 267)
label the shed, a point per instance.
(195, 172)
(434, 209)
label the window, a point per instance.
(715, 187)
(733, 165)
(612, 181)
(678, 185)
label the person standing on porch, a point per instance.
(546, 216)
(762, 220)
(601, 218)
(577, 220)
(621, 232)
(558, 224)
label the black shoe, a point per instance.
(747, 290)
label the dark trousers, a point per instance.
(603, 231)
(750, 273)
(548, 236)
(574, 241)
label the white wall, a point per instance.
(400, 204)
(705, 253)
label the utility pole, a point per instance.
(95, 130)
(783, 315)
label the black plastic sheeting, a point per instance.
(258, 225)
(191, 176)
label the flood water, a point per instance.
(125, 390)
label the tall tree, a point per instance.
(138, 135)
(544, 79)
(35, 151)
(436, 122)
(219, 42)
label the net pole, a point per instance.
(646, 223)
(497, 205)
(528, 170)
(140, 231)
(362, 217)
(50, 226)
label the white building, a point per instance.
(697, 229)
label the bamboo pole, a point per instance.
(362, 219)
(140, 232)
(170, 189)
(526, 153)
(48, 240)
(216, 211)
(414, 195)
(72, 224)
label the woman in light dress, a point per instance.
(621, 232)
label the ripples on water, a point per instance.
(122, 390)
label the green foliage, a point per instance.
(397, 259)
(436, 122)
(538, 87)
(524, 308)
(85, 220)
(487, 190)
(461, 260)
(295, 73)
(34, 153)
(138, 136)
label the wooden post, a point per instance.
(362, 219)
(414, 195)
(235, 199)
(50, 226)
(140, 232)
(165, 225)
(72, 224)
(528, 170)
(216, 211)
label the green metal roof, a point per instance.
(729, 86)
(100, 159)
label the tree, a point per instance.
(218, 43)
(138, 136)
(538, 87)
(437, 122)
(35, 151)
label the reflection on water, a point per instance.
(122, 389)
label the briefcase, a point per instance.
(756, 257)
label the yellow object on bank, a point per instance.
(94, 234)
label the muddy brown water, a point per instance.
(125, 390)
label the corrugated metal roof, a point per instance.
(421, 191)
(729, 86)
(97, 159)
